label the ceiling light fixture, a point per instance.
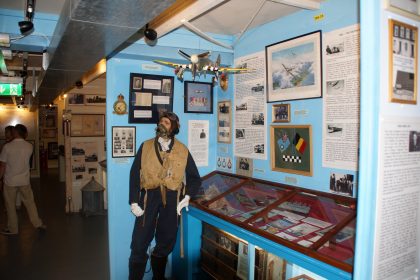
(150, 36)
(26, 27)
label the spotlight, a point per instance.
(150, 36)
(26, 27)
(79, 84)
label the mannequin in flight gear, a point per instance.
(163, 178)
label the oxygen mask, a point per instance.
(161, 131)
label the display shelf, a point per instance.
(313, 223)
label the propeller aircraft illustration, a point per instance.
(201, 64)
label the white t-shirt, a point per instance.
(16, 154)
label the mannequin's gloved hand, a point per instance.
(136, 210)
(183, 203)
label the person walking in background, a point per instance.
(157, 186)
(15, 169)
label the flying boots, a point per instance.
(136, 270)
(158, 267)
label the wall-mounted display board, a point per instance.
(150, 96)
(403, 62)
(291, 149)
(320, 225)
(294, 68)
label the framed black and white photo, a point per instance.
(224, 119)
(95, 100)
(198, 97)
(76, 99)
(150, 96)
(294, 68)
(123, 141)
(403, 62)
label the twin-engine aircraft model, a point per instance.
(201, 64)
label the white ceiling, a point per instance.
(229, 18)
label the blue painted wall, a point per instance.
(337, 14)
(119, 67)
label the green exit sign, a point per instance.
(10, 89)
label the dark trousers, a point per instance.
(160, 222)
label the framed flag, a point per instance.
(291, 149)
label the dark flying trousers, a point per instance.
(163, 220)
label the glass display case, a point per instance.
(320, 225)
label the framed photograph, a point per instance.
(198, 97)
(95, 100)
(281, 113)
(403, 62)
(52, 150)
(408, 8)
(123, 141)
(224, 122)
(244, 166)
(137, 83)
(49, 133)
(50, 121)
(76, 99)
(294, 68)
(85, 125)
(150, 96)
(291, 149)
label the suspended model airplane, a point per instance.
(201, 64)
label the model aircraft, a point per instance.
(201, 64)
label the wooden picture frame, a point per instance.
(87, 125)
(294, 68)
(76, 99)
(123, 141)
(407, 8)
(150, 96)
(49, 133)
(198, 97)
(95, 100)
(224, 121)
(281, 113)
(291, 149)
(403, 61)
(52, 150)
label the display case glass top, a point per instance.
(215, 185)
(321, 225)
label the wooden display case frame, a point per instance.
(311, 251)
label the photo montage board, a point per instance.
(150, 96)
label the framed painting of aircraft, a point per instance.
(198, 97)
(294, 68)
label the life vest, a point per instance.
(169, 174)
